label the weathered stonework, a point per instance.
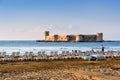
(73, 38)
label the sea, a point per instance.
(33, 46)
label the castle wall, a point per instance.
(56, 38)
(71, 38)
(62, 38)
(74, 38)
(85, 38)
(49, 38)
(88, 38)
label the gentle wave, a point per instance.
(33, 46)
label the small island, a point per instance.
(98, 37)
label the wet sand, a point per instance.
(73, 69)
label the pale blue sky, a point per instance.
(28, 19)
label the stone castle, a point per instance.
(98, 37)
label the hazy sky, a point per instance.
(28, 19)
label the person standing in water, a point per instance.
(102, 49)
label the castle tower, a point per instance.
(77, 38)
(55, 37)
(99, 37)
(46, 33)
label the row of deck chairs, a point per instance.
(4, 57)
(41, 55)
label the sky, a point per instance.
(28, 19)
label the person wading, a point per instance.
(102, 49)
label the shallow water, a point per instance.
(22, 46)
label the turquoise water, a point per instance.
(22, 46)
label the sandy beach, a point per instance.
(59, 39)
(70, 69)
